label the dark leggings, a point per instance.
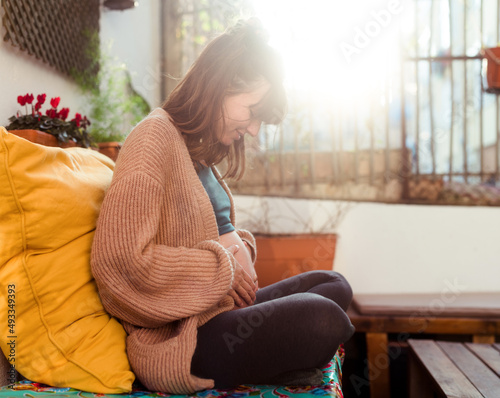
(295, 324)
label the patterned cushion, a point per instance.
(331, 387)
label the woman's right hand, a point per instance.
(243, 288)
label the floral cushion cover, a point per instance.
(331, 387)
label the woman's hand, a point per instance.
(243, 255)
(250, 267)
(243, 287)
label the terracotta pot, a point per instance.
(42, 138)
(493, 70)
(282, 256)
(110, 149)
(38, 137)
(69, 144)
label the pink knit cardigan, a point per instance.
(156, 257)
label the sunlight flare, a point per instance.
(335, 50)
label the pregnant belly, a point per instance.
(242, 255)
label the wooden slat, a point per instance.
(476, 371)
(449, 379)
(488, 355)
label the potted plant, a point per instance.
(292, 235)
(51, 129)
(114, 106)
(493, 68)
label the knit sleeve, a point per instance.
(145, 283)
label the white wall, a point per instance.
(412, 248)
(21, 74)
(408, 248)
(134, 38)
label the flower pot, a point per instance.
(38, 137)
(69, 144)
(110, 149)
(42, 138)
(282, 256)
(493, 70)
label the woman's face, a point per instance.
(238, 114)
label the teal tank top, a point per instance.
(219, 198)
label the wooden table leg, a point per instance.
(483, 338)
(419, 385)
(378, 365)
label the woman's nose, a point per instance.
(254, 127)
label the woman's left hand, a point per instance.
(243, 287)
(243, 255)
(249, 266)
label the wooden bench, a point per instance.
(457, 313)
(453, 369)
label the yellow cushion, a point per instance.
(58, 332)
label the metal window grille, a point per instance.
(429, 134)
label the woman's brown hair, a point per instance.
(232, 63)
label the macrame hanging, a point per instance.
(57, 32)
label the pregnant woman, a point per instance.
(168, 258)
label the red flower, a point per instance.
(21, 99)
(77, 119)
(41, 99)
(29, 98)
(54, 102)
(51, 113)
(64, 113)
